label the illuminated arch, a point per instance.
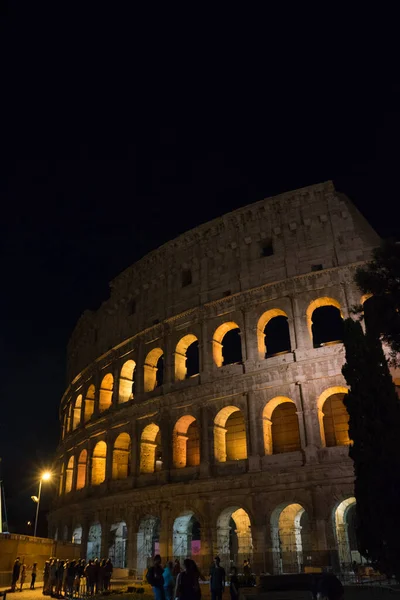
(94, 541)
(117, 545)
(77, 414)
(230, 435)
(290, 537)
(151, 368)
(180, 356)
(148, 541)
(234, 534)
(126, 381)
(99, 463)
(342, 532)
(319, 303)
(77, 535)
(333, 417)
(185, 531)
(150, 449)
(218, 337)
(69, 474)
(261, 325)
(89, 403)
(121, 456)
(106, 390)
(186, 443)
(82, 466)
(364, 298)
(267, 421)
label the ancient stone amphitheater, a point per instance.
(204, 412)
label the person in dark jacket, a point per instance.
(90, 573)
(33, 576)
(15, 573)
(107, 574)
(217, 579)
(155, 578)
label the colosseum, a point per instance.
(204, 410)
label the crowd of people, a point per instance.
(173, 582)
(66, 578)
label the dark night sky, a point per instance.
(111, 154)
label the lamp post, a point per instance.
(44, 477)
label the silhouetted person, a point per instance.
(107, 574)
(90, 573)
(155, 578)
(46, 577)
(217, 580)
(177, 568)
(169, 581)
(187, 584)
(15, 573)
(33, 576)
(22, 577)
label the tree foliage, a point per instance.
(374, 428)
(381, 278)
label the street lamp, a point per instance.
(44, 477)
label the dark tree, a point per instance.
(374, 428)
(381, 278)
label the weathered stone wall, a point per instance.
(232, 285)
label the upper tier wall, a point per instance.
(306, 228)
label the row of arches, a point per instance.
(280, 428)
(324, 321)
(290, 541)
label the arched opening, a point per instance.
(333, 417)
(186, 443)
(234, 538)
(69, 474)
(117, 544)
(273, 335)
(150, 449)
(106, 390)
(285, 430)
(77, 535)
(68, 414)
(127, 381)
(186, 541)
(89, 403)
(61, 484)
(187, 357)
(94, 542)
(290, 538)
(325, 322)
(280, 426)
(77, 414)
(345, 531)
(121, 456)
(227, 344)
(153, 370)
(99, 463)
(82, 467)
(230, 441)
(148, 542)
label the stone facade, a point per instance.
(170, 445)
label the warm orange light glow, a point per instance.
(46, 476)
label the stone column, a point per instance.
(169, 370)
(250, 336)
(139, 372)
(254, 443)
(166, 551)
(166, 442)
(304, 341)
(131, 547)
(105, 530)
(135, 452)
(85, 535)
(96, 380)
(206, 356)
(109, 457)
(205, 443)
(318, 524)
(115, 393)
(75, 472)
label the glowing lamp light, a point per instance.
(46, 476)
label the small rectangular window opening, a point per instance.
(316, 267)
(186, 277)
(267, 249)
(132, 307)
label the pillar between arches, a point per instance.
(105, 531)
(109, 457)
(166, 550)
(206, 442)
